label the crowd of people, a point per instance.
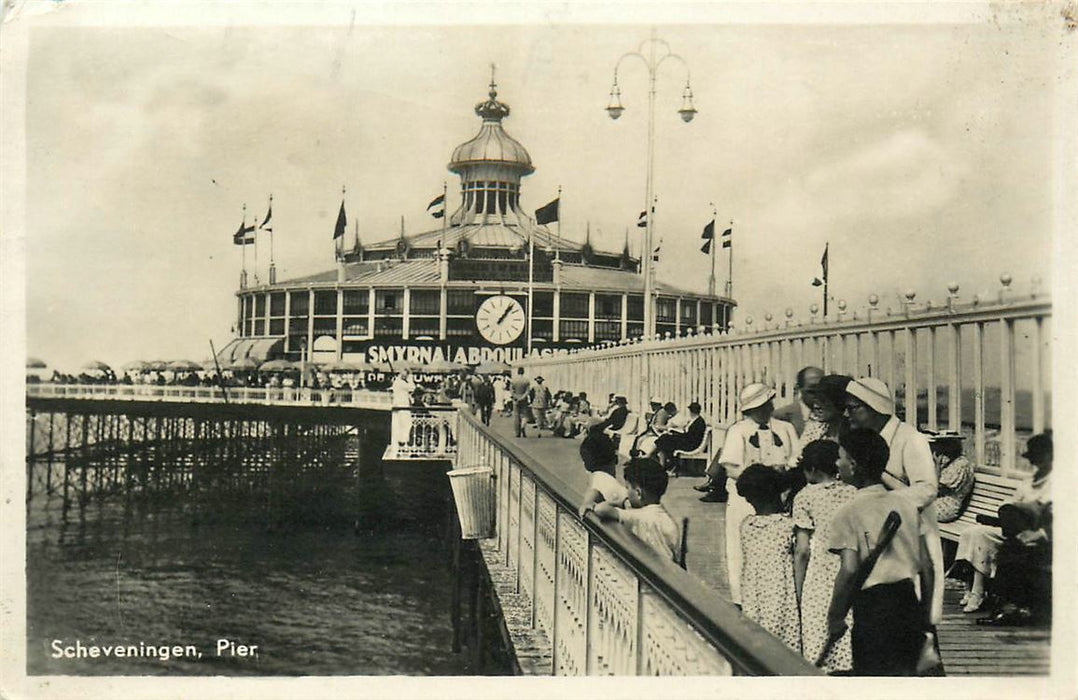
(832, 515)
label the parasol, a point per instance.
(277, 366)
(244, 364)
(34, 363)
(183, 366)
(492, 367)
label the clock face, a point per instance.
(500, 319)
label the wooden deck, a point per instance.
(967, 648)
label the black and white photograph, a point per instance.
(381, 350)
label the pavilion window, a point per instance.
(491, 202)
(542, 329)
(277, 304)
(459, 327)
(574, 306)
(706, 315)
(387, 302)
(502, 202)
(480, 201)
(276, 326)
(260, 305)
(384, 327)
(635, 308)
(356, 301)
(325, 303)
(460, 302)
(573, 330)
(425, 302)
(608, 306)
(543, 304)
(300, 304)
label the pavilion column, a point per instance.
(406, 307)
(624, 316)
(591, 317)
(340, 322)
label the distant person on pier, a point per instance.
(797, 412)
(600, 459)
(889, 621)
(519, 387)
(768, 592)
(910, 471)
(484, 397)
(758, 438)
(541, 402)
(402, 389)
(619, 413)
(646, 518)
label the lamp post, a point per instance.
(649, 52)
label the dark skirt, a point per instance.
(888, 630)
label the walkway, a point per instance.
(967, 649)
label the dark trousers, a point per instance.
(485, 409)
(888, 630)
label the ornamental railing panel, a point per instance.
(608, 605)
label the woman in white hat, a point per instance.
(910, 468)
(756, 439)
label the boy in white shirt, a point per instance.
(645, 518)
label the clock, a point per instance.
(500, 319)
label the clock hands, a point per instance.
(505, 313)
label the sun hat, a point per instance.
(656, 399)
(874, 393)
(754, 396)
(941, 435)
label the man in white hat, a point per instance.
(756, 439)
(911, 469)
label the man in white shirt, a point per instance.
(756, 439)
(910, 470)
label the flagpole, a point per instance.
(272, 266)
(557, 244)
(714, 244)
(256, 248)
(445, 211)
(826, 274)
(730, 271)
(243, 253)
(531, 283)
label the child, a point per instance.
(645, 518)
(600, 458)
(815, 567)
(888, 620)
(767, 581)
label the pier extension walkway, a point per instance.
(967, 648)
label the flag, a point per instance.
(548, 212)
(342, 223)
(728, 238)
(244, 235)
(823, 260)
(264, 226)
(642, 220)
(708, 235)
(440, 211)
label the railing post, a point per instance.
(1006, 397)
(910, 336)
(978, 392)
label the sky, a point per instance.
(922, 152)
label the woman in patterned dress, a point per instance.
(767, 582)
(815, 567)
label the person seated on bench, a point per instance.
(980, 544)
(614, 420)
(1022, 586)
(956, 475)
(688, 439)
(658, 423)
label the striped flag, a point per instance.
(728, 238)
(342, 223)
(709, 236)
(244, 235)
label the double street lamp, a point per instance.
(653, 52)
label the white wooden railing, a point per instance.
(607, 604)
(423, 433)
(376, 400)
(976, 358)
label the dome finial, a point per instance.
(491, 109)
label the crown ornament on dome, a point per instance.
(491, 109)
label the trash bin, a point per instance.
(473, 493)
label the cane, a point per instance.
(887, 533)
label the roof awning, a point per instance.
(260, 349)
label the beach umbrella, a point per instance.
(156, 365)
(211, 365)
(276, 366)
(444, 366)
(491, 367)
(34, 363)
(183, 366)
(244, 364)
(135, 366)
(97, 366)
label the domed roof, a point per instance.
(491, 144)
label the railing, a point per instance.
(378, 400)
(423, 433)
(980, 367)
(606, 602)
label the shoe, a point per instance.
(965, 598)
(715, 497)
(1018, 617)
(704, 487)
(974, 602)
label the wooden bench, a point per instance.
(989, 493)
(627, 433)
(700, 454)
